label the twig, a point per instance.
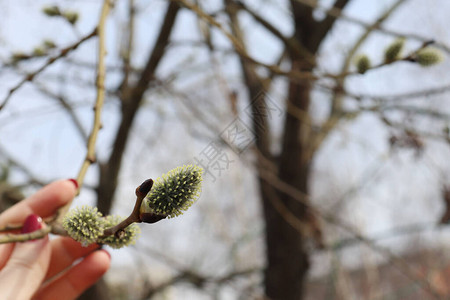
(134, 217)
(12, 238)
(394, 98)
(391, 233)
(128, 46)
(21, 167)
(199, 280)
(50, 61)
(337, 100)
(408, 58)
(68, 108)
(100, 82)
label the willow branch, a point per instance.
(68, 108)
(337, 101)
(128, 45)
(141, 191)
(412, 57)
(100, 83)
(22, 167)
(62, 53)
(12, 238)
(132, 218)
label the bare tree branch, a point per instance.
(50, 61)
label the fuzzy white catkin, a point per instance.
(174, 192)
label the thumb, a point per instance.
(26, 268)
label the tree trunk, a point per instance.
(287, 259)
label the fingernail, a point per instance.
(75, 182)
(32, 223)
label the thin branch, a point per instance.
(13, 238)
(291, 43)
(199, 279)
(50, 61)
(437, 114)
(128, 46)
(387, 234)
(412, 57)
(134, 217)
(100, 82)
(337, 101)
(68, 108)
(22, 167)
(398, 97)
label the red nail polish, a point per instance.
(32, 223)
(75, 182)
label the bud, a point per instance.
(51, 11)
(362, 63)
(428, 56)
(393, 51)
(38, 51)
(71, 17)
(123, 238)
(84, 224)
(49, 44)
(19, 56)
(144, 188)
(172, 194)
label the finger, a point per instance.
(5, 252)
(44, 203)
(28, 264)
(65, 251)
(25, 270)
(77, 279)
(32, 223)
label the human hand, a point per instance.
(43, 269)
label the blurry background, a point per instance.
(320, 183)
